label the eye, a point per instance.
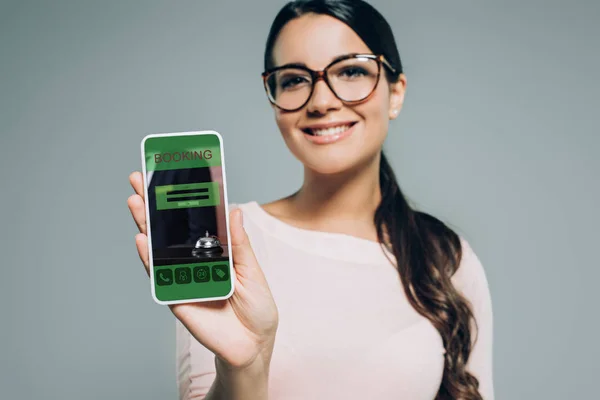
(353, 72)
(289, 82)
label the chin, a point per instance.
(332, 165)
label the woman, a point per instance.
(343, 291)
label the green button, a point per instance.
(201, 274)
(220, 273)
(183, 275)
(164, 277)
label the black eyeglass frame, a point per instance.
(322, 74)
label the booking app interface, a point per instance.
(188, 231)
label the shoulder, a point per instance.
(470, 273)
(471, 280)
(469, 277)
(470, 270)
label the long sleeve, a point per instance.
(471, 280)
(195, 368)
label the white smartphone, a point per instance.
(187, 217)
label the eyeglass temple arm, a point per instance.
(387, 64)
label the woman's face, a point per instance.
(315, 40)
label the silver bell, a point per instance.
(208, 242)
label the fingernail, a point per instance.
(241, 217)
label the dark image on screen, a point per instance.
(187, 215)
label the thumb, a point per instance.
(241, 250)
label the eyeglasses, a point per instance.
(352, 78)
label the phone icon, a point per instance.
(164, 277)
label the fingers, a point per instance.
(138, 211)
(141, 242)
(137, 183)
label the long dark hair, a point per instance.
(426, 250)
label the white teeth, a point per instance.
(330, 131)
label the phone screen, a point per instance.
(187, 217)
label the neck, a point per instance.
(351, 196)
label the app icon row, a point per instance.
(185, 275)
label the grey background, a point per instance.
(498, 137)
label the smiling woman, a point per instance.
(366, 297)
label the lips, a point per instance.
(329, 134)
(330, 129)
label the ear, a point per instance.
(397, 91)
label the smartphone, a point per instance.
(187, 217)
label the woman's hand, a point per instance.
(240, 329)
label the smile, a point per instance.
(329, 131)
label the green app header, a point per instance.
(179, 152)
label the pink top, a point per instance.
(346, 329)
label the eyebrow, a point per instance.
(303, 65)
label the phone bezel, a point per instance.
(149, 227)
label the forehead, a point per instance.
(315, 40)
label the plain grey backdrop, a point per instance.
(498, 137)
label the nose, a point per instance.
(322, 99)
